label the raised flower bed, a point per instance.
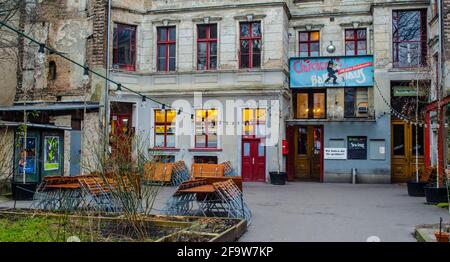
(32, 226)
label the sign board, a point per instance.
(335, 153)
(343, 71)
(357, 147)
(407, 91)
(51, 153)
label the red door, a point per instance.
(253, 160)
(121, 135)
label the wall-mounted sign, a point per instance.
(345, 71)
(335, 153)
(357, 147)
(51, 153)
(408, 91)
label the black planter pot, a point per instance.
(436, 195)
(416, 189)
(278, 178)
(22, 191)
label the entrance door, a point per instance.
(253, 160)
(404, 151)
(308, 152)
(121, 135)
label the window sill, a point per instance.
(407, 69)
(205, 150)
(164, 149)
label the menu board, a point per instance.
(357, 147)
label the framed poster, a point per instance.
(51, 153)
(27, 160)
(357, 147)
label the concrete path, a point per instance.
(327, 212)
(335, 212)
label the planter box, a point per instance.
(165, 228)
(416, 189)
(436, 195)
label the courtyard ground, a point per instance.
(327, 212)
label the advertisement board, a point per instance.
(345, 71)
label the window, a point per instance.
(254, 122)
(206, 128)
(124, 47)
(207, 47)
(311, 104)
(165, 128)
(409, 38)
(206, 160)
(302, 143)
(355, 41)
(166, 48)
(356, 102)
(52, 70)
(250, 45)
(309, 44)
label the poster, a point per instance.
(335, 153)
(357, 147)
(344, 71)
(51, 153)
(27, 158)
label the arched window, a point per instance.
(52, 70)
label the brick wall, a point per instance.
(446, 26)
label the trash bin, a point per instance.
(278, 178)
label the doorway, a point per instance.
(308, 153)
(253, 160)
(404, 151)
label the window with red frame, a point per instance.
(166, 48)
(409, 38)
(250, 44)
(309, 44)
(254, 122)
(165, 128)
(356, 41)
(124, 47)
(207, 47)
(206, 128)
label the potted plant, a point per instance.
(416, 187)
(441, 236)
(436, 191)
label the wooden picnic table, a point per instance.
(65, 186)
(198, 189)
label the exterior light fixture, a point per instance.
(331, 48)
(41, 53)
(86, 74)
(119, 91)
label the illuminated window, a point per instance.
(206, 128)
(311, 104)
(254, 122)
(165, 128)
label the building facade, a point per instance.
(56, 103)
(356, 113)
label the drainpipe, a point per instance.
(106, 98)
(440, 71)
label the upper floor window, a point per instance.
(250, 44)
(124, 47)
(356, 41)
(207, 47)
(206, 128)
(409, 38)
(166, 48)
(311, 104)
(165, 128)
(309, 44)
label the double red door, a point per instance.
(253, 160)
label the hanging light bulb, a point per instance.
(119, 91)
(86, 74)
